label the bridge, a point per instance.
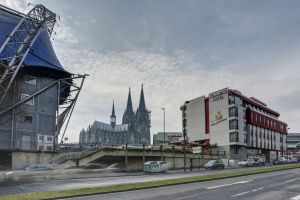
(133, 159)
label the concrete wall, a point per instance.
(218, 117)
(174, 159)
(23, 159)
(195, 116)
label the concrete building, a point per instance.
(293, 139)
(160, 137)
(238, 125)
(293, 144)
(135, 127)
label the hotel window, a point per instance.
(234, 137)
(235, 150)
(30, 101)
(231, 100)
(260, 119)
(233, 124)
(233, 112)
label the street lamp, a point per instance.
(183, 109)
(164, 109)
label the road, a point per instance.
(99, 179)
(281, 185)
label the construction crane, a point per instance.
(17, 45)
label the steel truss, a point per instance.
(17, 45)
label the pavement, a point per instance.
(112, 178)
(280, 185)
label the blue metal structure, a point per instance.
(41, 54)
(37, 95)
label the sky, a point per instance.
(179, 50)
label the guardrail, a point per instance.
(70, 155)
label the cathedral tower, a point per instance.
(142, 121)
(113, 116)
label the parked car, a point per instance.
(214, 164)
(259, 161)
(155, 166)
(277, 162)
(292, 160)
(247, 163)
(283, 160)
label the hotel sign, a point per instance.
(218, 95)
(218, 118)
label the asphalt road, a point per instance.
(100, 179)
(281, 185)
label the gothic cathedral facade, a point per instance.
(135, 127)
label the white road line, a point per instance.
(295, 179)
(240, 194)
(295, 197)
(218, 186)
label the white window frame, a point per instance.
(32, 80)
(30, 101)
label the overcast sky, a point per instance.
(179, 50)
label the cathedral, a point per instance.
(135, 127)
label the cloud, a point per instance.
(19, 5)
(181, 52)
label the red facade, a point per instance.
(263, 121)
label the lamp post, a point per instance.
(184, 132)
(164, 109)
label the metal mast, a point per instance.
(17, 45)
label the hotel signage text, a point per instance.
(218, 95)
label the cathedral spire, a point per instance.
(128, 115)
(113, 115)
(129, 102)
(142, 100)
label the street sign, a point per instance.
(197, 150)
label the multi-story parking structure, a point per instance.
(236, 124)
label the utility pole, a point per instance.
(43, 150)
(183, 109)
(164, 109)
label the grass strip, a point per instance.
(143, 185)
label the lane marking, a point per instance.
(295, 179)
(218, 186)
(296, 197)
(240, 194)
(243, 193)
